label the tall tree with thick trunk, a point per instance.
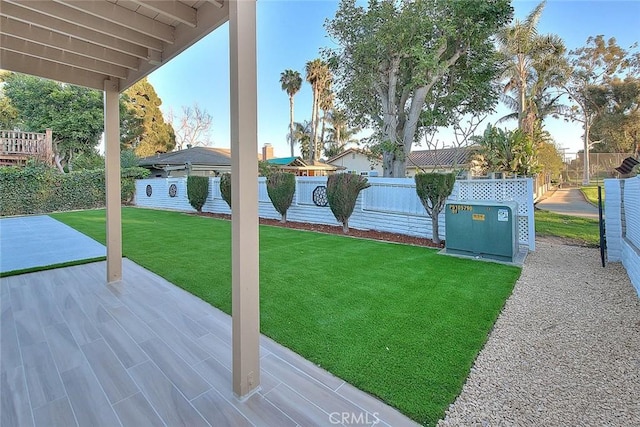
(325, 104)
(402, 67)
(291, 82)
(593, 67)
(319, 77)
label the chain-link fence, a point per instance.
(601, 166)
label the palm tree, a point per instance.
(339, 133)
(531, 59)
(302, 135)
(318, 75)
(291, 82)
(325, 104)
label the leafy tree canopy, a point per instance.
(403, 66)
(156, 135)
(596, 68)
(617, 126)
(75, 114)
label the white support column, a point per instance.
(244, 198)
(112, 171)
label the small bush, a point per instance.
(225, 187)
(128, 182)
(197, 191)
(342, 192)
(433, 190)
(280, 187)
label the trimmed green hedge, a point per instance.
(225, 188)
(342, 193)
(37, 188)
(197, 191)
(280, 187)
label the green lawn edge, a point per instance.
(52, 266)
(590, 194)
(584, 231)
(410, 340)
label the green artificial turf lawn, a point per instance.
(400, 322)
(583, 230)
(51, 267)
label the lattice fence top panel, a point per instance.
(502, 190)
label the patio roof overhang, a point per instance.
(109, 45)
(87, 42)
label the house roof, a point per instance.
(442, 157)
(291, 163)
(287, 161)
(207, 156)
(347, 152)
(87, 42)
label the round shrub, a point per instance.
(342, 192)
(280, 187)
(197, 191)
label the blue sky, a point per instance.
(291, 32)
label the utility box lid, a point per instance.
(482, 229)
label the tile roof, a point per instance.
(442, 157)
(196, 156)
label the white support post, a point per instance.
(112, 172)
(244, 199)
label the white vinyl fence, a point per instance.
(622, 220)
(390, 204)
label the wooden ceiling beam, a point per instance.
(122, 16)
(44, 37)
(91, 22)
(50, 70)
(57, 55)
(28, 12)
(173, 10)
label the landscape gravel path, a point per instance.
(564, 352)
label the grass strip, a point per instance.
(584, 231)
(52, 266)
(400, 322)
(591, 194)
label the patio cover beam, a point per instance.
(74, 23)
(112, 172)
(178, 11)
(244, 198)
(122, 16)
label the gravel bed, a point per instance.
(564, 352)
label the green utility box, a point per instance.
(482, 229)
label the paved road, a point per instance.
(569, 201)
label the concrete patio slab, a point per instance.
(39, 241)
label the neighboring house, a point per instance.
(441, 160)
(301, 167)
(358, 162)
(203, 161)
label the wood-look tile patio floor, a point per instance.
(143, 352)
